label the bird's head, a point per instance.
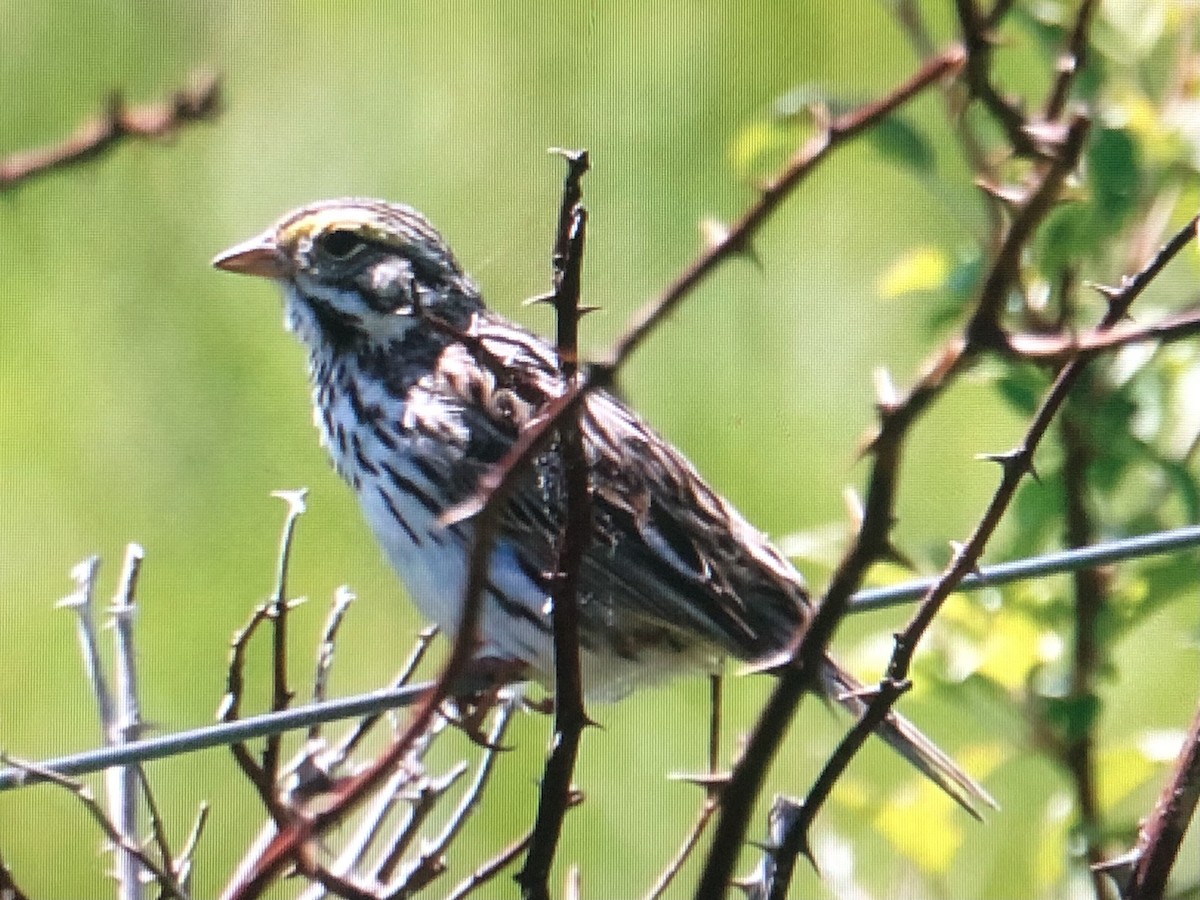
(357, 270)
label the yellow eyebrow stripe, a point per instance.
(360, 221)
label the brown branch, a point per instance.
(1060, 348)
(1091, 594)
(196, 103)
(1161, 835)
(877, 519)
(984, 327)
(1019, 462)
(737, 239)
(800, 667)
(570, 718)
(1071, 63)
(231, 710)
(978, 40)
(691, 840)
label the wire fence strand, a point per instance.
(374, 702)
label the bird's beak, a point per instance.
(257, 256)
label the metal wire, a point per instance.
(392, 698)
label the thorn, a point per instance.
(750, 887)
(548, 298)
(1108, 292)
(768, 665)
(887, 397)
(713, 232)
(1044, 133)
(866, 692)
(868, 441)
(294, 499)
(854, 505)
(460, 512)
(584, 309)
(892, 553)
(704, 779)
(574, 157)
(1010, 195)
(1015, 463)
(959, 549)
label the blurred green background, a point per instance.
(149, 398)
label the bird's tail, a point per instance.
(905, 738)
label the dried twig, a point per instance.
(165, 879)
(123, 782)
(196, 103)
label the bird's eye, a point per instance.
(339, 244)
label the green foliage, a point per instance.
(148, 398)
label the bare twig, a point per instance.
(82, 603)
(364, 726)
(570, 717)
(977, 37)
(690, 841)
(1015, 465)
(1058, 348)
(166, 879)
(468, 803)
(281, 695)
(487, 872)
(1161, 835)
(342, 599)
(231, 707)
(122, 783)
(1072, 61)
(197, 103)
(737, 239)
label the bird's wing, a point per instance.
(669, 561)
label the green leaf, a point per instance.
(900, 141)
(1114, 171)
(1022, 387)
(914, 271)
(1071, 717)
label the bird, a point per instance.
(419, 388)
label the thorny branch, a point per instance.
(1161, 835)
(1015, 465)
(570, 717)
(165, 878)
(495, 485)
(872, 542)
(196, 103)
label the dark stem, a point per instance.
(1091, 590)
(570, 717)
(1162, 834)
